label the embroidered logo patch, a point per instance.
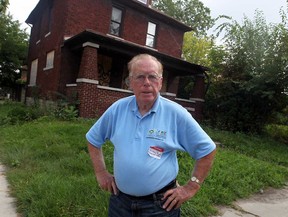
(156, 134)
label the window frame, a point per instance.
(50, 56)
(33, 72)
(153, 36)
(49, 22)
(143, 1)
(116, 22)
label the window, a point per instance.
(116, 20)
(151, 33)
(49, 60)
(143, 1)
(37, 29)
(33, 72)
(49, 23)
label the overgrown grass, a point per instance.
(50, 173)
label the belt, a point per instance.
(154, 195)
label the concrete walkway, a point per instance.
(270, 203)
(7, 208)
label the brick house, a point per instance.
(82, 48)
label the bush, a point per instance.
(65, 112)
(22, 114)
(278, 132)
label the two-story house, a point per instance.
(82, 48)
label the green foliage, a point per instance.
(65, 112)
(253, 79)
(197, 48)
(18, 114)
(278, 132)
(191, 12)
(23, 114)
(13, 50)
(3, 6)
(66, 108)
(280, 117)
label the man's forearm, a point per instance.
(97, 158)
(203, 166)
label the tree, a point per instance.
(197, 48)
(254, 78)
(3, 6)
(13, 50)
(190, 12)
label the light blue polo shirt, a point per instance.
(145, 146)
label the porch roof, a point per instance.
(123, 48)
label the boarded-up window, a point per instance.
(33, 72)
(50, 60)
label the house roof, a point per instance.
(37, 11)
(125, 48)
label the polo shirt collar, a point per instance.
(134, 106)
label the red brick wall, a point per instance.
(96, 15)
(169, 39)
(44, 42)
(100, 99)
(88, 14)
(107, 98)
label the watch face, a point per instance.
(194, 179)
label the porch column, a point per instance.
(87, 80)
(173, 83)
(198, 95)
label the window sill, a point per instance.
(47, 68)
(49, 33)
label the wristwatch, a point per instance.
(194, 179)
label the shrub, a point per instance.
(65, 112)
(22, 114)
(278, 132)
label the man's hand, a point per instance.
(175, 197)
(106, 181)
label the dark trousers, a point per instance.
(123, 205)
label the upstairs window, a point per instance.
(143, 1)
(50, 60)
(49, 16)
(116, 19)
(151, 34)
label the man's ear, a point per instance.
(128, 83)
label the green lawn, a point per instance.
(50, 173)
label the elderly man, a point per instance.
(146, 131)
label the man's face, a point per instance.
(145, 81)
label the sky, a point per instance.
(237, 9)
